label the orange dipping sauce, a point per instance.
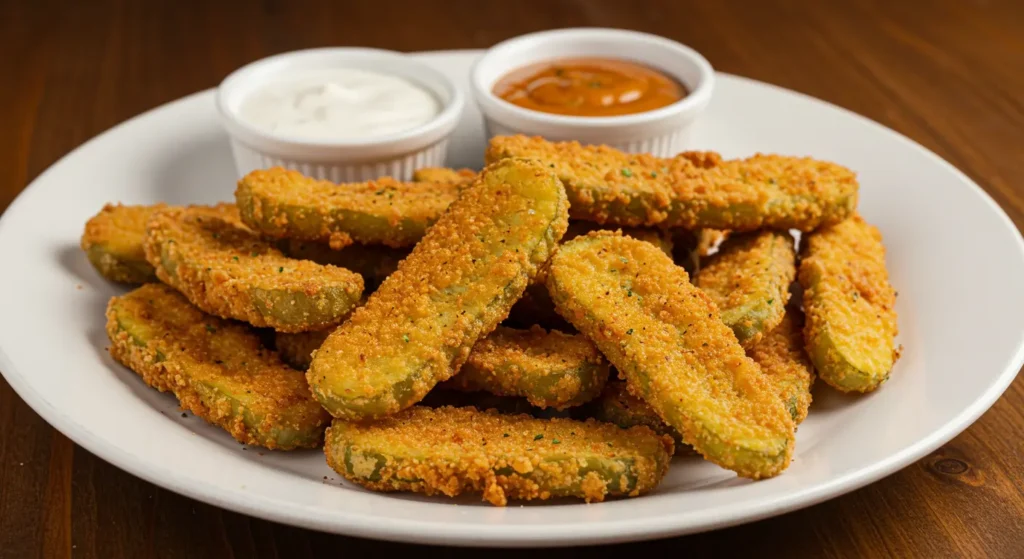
(589, 87)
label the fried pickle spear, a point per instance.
(226, 270)
(851, 324)
(374, 263)
(458, 283)
(444, 174)
(280, 203)
(113, 241)
(535, 306)
(217, 369)
(749, 279)
(666, 338)
(450, 451)
(692, 190)
(549, 369)
(781, 356)
(616, 405)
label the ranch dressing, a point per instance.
(339, 104)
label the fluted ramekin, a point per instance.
(351, 160)
(663, 132)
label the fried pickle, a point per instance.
(692, 190)
(458, 283)
(444, 174)
(450, 451)
(749, 279)
(217, 369)
(374, 263)
(113, 241)
(616, 405)
(781, 356)
(549, 369)
(535, 306)
(228, 271)
(280, 203)
(666, 338)
(851, 323)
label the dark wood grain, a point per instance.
(949, 74)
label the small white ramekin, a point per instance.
(394, 155)
(663, 132)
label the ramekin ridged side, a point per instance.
(400, 167)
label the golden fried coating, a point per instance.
(749, 279)
(657, 237)
(851, 318)
(692, 190)
(450, 451)
(458, 283)
(535, 306)
(217, 369)
(280, 203)
(616, 405)
(781, 356)
(666, 338)
(228, 271)
(373, 262)
(444, 174)
(549, 369)
(297, 348)
(113, 242)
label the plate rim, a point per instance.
(413, 531)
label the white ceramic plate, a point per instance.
(954, 256)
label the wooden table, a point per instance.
(948, 74)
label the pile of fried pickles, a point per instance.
(560, 324)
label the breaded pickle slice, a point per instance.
(217, 369)
(535, 306)
(659, 238)
(749, 279)
(373, 262)
(666, 338)
(781, 356)
(450, 451)
(549, 369)
(851, 323)
(616, 405)
(113, 241)
(458, 283)
(692, 190)
(444, 174)
(281, 203)
(228, 271)
(297, 348)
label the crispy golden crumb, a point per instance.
(280, 203)
(666, 338)
(217, 369)
(549, 369)
(458, 283)
(226, 270)
(781, 356)
(749, 279)
(113, 240)
(373, 262)
(444, 174)
(693, 190)
(616, 405)
(851, 322)
(450, 451)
